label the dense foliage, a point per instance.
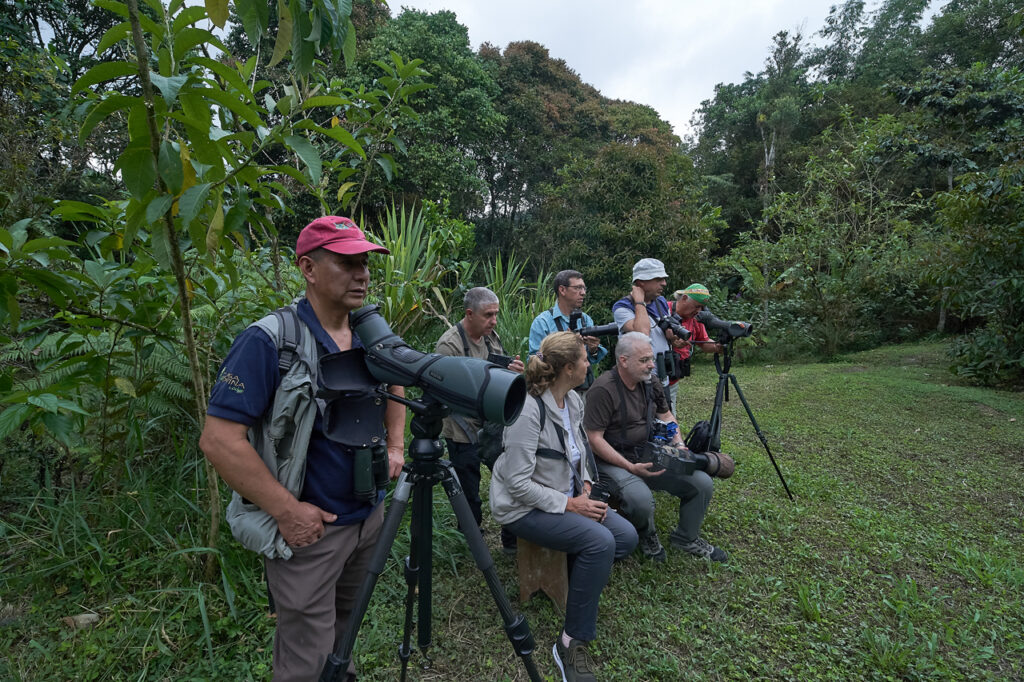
(863, 187)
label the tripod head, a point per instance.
(426, 424)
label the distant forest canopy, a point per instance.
(862, 185)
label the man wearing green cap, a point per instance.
(687, 303)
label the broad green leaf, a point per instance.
(126, 386)
(255, 15)
(78, 210)
(161, 247)
(287, 170)
(387, 165)
(345, 137)
(218, 12)
(216, 229)
(308, 153)
(102, 110)
(60, 426)
(156, 208)
(169, 165)
(103, 72)
(189, 37)
(47, 401)
(187, 17)
(34, 245)
(230, 76)
(114, 35)
(302, 51)
(325, 101)
(283, 42)
(12, 417)
(168, 87)
(348, 49)
(344, 188)
(192, 201)
(138, 172)
(232, 104)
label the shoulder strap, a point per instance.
(577, 481)
(465, 340)
(288, 337)
(558, 323)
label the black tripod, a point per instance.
(722, 395)
(418, 479)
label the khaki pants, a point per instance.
(314, 592)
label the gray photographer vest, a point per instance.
(282, 437)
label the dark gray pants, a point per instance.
(694, 492)
(595, 545)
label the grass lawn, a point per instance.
(900, 557)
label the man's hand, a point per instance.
(593, 343)
(584, 506)
(643, 469)
(396, 459)
(516, 365)
(637, 295)
(302, 524)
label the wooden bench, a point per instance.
(542, 570)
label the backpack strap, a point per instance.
(288, 324)
(577, 481)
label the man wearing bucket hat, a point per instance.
(295, 496)
(640, 310)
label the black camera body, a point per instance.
(499, 360)
(600, 492)
(677, 460)
(671, 323)
(576, 319)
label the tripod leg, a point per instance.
(412, 570)
(423, 526)
(339, 659)
(757, 430)
(716, 413)
(516, 627)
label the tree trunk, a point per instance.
(178, 266)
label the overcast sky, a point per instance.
(668, 54)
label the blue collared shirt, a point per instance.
(545, 324)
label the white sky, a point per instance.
(668, 54)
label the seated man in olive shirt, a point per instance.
(617, 420)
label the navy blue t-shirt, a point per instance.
(244, 391)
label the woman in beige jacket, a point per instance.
(540, 490)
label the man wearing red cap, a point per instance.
(294, 499)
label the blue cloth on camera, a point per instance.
(244, 392)
(546, 323)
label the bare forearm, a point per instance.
(241, 467)
(394, 420)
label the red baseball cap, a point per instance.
(336, 234)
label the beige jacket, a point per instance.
(522, 480)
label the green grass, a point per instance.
(900, 557)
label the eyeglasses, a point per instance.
(577, 287)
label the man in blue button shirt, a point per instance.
(570, 292)
(328, 531)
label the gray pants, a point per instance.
(314, 592)
(637, 502)
(594, 546)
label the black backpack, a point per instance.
(699, 437)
